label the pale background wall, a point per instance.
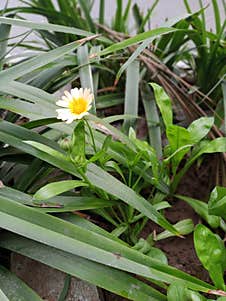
(165, 9)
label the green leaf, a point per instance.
(152, 117)
(39, 61)
(157, 254)
(199, 128)
(57, 203)
(131, 94)
(217, 202)
(212, 253)
(4, 35)
(85, 72)
(106, 277)
(185, 227)
(50, 190)
(77, 152)
(45, 26)
(164, 103)
(97, 176)
(3, 296)
(86, 11)
(217, 145)
(179, 140)
(201, 208)
(136, 39)
(14, 288)
(177, 292)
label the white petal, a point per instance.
(62, 103)
(75, 93)
(80, 116)
(69, 96)
(63, 114)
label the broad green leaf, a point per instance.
(212, 253)
(199, 128)
(158, 255)
(136, 39)
(50, 190)
(177, 292)
(164, 103)
(201, 208)
(15, 289)
(179, 141)
(217, 202)
(106, 277)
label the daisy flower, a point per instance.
(75, 104)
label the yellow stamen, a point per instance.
(78, 105)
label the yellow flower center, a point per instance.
(78, 105)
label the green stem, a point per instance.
(91, 135)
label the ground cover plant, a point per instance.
(68, 158)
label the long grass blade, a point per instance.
(224, 103)
(85, 72)
(14, 288)
(82, 268)
(131, 94)
(152, 117)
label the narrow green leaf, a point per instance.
(106, 277)
(4, 35)
(39, 61)
(87, 14)
(217, 16)
(14, 288)
(45, 26)
(50, 190)
(224, 103)
(131, 94)
(133, 57)
(85, 72)
(185, 227)
(201, 208)
(152, 118)
(3, 296)
(53, 231)
(136, 39)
